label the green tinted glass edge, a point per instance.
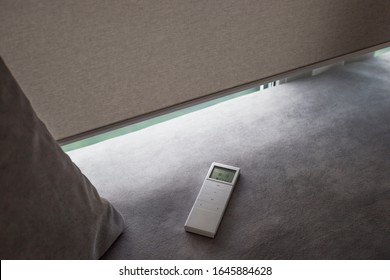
(146, 123)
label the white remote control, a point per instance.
(209, 206)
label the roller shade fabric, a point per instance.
(87, 64)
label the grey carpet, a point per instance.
(315, 173)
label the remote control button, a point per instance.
(208, 206)
(221, 187)
(214, 197)
(211, 191)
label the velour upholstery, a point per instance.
(48, 208)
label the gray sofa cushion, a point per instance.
(49, 209)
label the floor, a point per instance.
(315, 173)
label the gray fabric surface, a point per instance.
(48, 209)
(315, 173)
(86, 63)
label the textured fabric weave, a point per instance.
(85, 64)
(48, 209)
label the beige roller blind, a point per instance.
(89, 64)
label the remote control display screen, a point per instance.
(222, 174)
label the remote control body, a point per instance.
(207, 212)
